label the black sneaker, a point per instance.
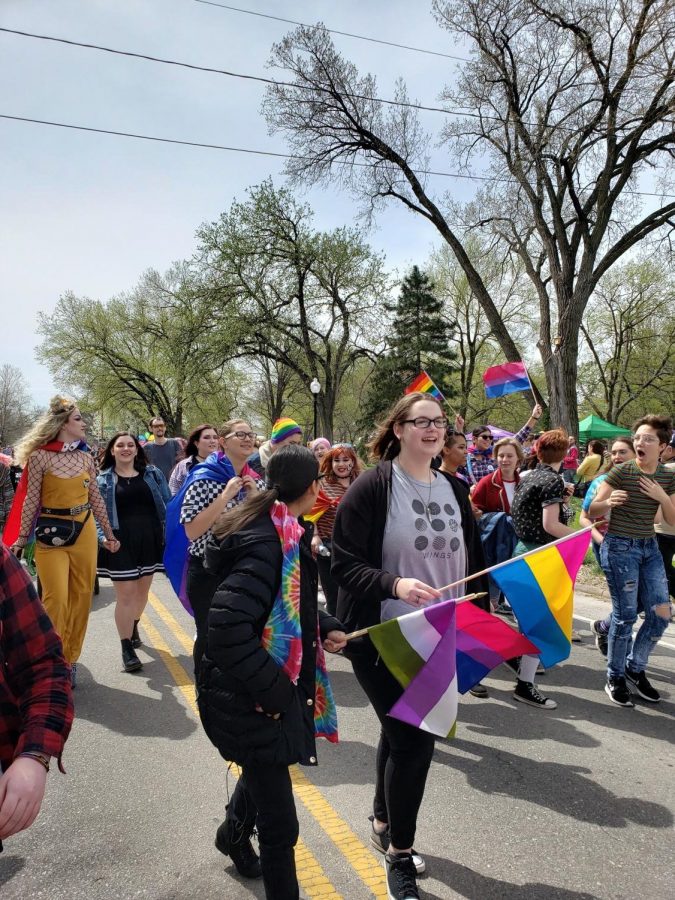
(479, 690)
(503, 609)
(617, 691)
(381, 840)
(236, 843)
(526, 692)
(513, 664)
(642, 685)
(601, 637)
(401, 878)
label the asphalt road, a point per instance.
(573, 804)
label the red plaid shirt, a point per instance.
(36, 703)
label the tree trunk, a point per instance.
(561, 383)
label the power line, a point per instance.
(251, 151)
(229, 74)
(360, 37)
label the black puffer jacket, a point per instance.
(237, 673)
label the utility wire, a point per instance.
(360, 37)
(249, 150)
(260, 78)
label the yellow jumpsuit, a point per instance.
(67, 574)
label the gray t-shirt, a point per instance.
(423, 537)
(163, 457)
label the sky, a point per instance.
(89, 213)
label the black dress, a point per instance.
(140, 533)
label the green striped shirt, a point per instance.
(635, 518)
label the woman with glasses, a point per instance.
(339, 467)
(480, 461)
(208, 492)
(202, 442)
(401, 530)
(635, 492)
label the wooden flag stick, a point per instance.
(363, 631)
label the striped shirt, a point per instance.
(635, 518)
(334, 491)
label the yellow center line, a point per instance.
(361, 859)
(311, 876)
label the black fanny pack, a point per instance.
(54, 532)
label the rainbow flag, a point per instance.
(424, 385)
(506, 379)
(539, 585)
(437, 652)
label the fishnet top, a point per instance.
(62, 465)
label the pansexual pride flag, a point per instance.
(441, 650)
(424, 384)
(506, 379)
(539, 585)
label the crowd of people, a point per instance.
(247, 530)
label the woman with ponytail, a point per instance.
(262, 689)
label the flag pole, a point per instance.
(529, 381)
(363, 631)
(562, 540)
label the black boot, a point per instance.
(130, 661)
(235, 841)
(135, 636)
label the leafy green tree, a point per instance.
(160, 349)
(303, 299)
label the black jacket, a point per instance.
(358, 535)
(237, 674)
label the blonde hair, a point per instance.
(509, 442)
(46, 428)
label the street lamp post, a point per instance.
(315, 388)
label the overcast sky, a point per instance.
(89, 213)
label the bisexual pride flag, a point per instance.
(440, 651)
(506, 379)
(539, 585)
(425, 385)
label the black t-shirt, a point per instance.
(542, 488)
(134, 499)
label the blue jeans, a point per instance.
(632, 567)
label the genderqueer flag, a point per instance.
(441, 650)
(539, 585)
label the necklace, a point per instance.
(412, 484)
(126, 478)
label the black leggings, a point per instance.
(263, 798)
(403, 755)
(200, 586)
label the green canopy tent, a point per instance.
(595, 427)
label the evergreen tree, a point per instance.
(420, 339)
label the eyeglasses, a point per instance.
(422, 422)
(242, 435)
(646, 438)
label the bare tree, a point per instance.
(15, 404)
(569, 104)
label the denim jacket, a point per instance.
(155, 480)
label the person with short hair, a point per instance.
(540, 512)
(163, 452)
(635, 492)
(35, 698)
(480, 461)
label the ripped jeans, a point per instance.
(634, 566)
